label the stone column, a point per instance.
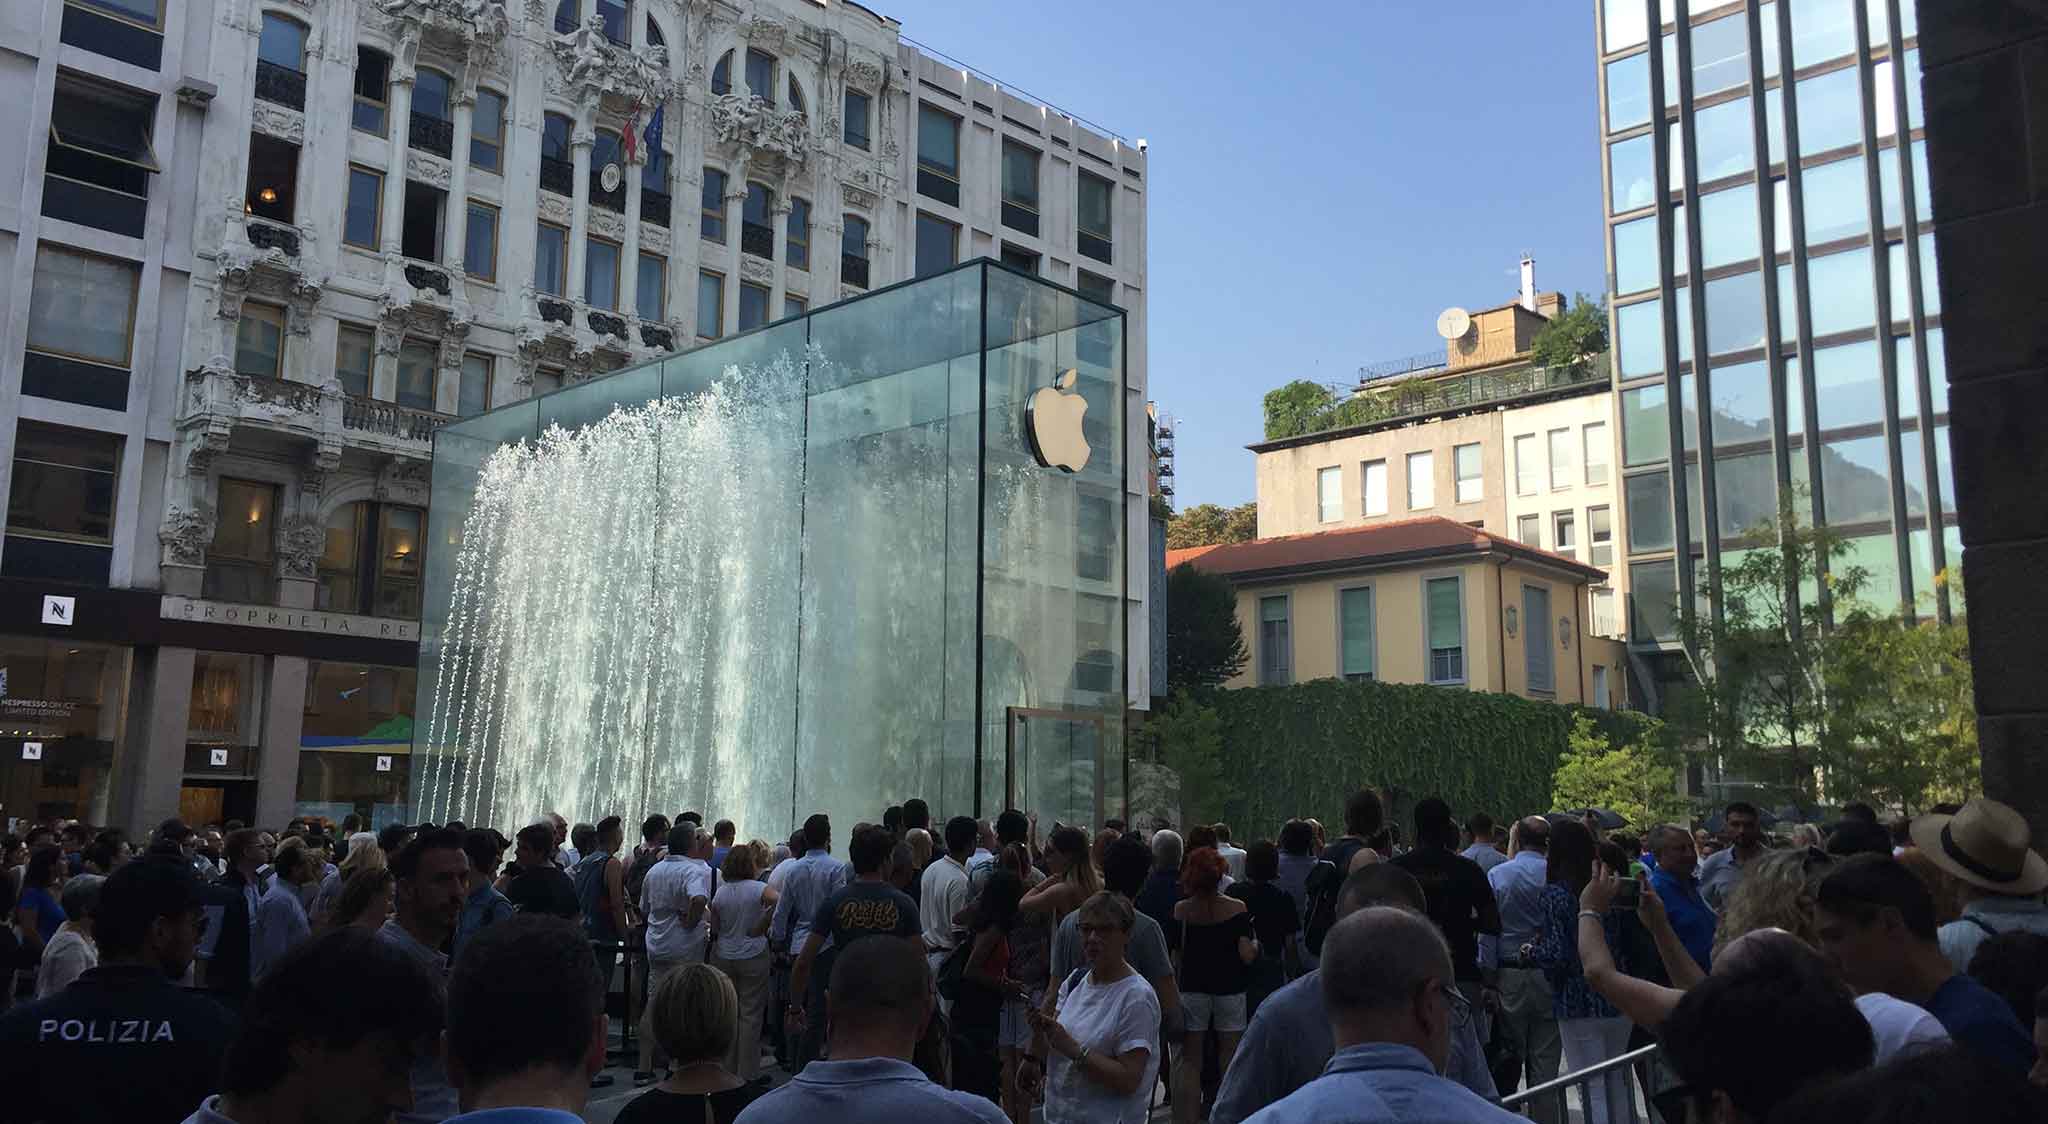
(629, 249)
(735, 231)
(392, 221)
(825, 237)
(156, 737)
(277, 762)
(579, 209)
(455, 232)
(780, 277)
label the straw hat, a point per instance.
(1984, 845)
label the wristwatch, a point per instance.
(1082, 1057)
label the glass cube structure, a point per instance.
(870, 553)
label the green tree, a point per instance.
(1573, 337)
(1297, 408)
(1187, 737)
(1905, 720)
(1204, 643)
(1207, 524)
(1639, 779)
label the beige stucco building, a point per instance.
(1425, 600)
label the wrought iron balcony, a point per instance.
(604, 323)
(614, 200)
(273, 236)
(280, 84)
(427, 277)
(432, 134)
(654, 207)
(657, 337)
(758, 240)
(557, 312)
(853, 270)
(558, 176)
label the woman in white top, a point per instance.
(71, 951)
(740, 913)
(1097, 1041)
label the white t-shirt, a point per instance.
(739, 910)
(665, 897)
(941, 893)
(1109, 1019)
(1899, 1026)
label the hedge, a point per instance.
(1300, 750)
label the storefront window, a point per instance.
(355, 742)
(61, 722)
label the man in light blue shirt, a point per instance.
(1480, 828)
(811, 879)
(1388, 986)
(878, 1002)
(1526, 1014)
(526, 1023)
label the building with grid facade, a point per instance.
(1775, 317)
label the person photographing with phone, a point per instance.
(1592, 1030)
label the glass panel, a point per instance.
(1529, 530)
(282, 42)
(259, 341)
(1830, 111)
(487, 130)
(1856, 477)
(937, 243)
(1916, 114)
(1670, 47)
(1625, 23)
(63, 484)
(938, 140)
(355, 354)
(480, 243)
(1884, 113)
(1735, 313)
(1841, 291)
(1635, 255)
(1725, 138)
(550, 259)
(1930, 290)
(856, 119)
(1837, 200)
(710, 305)
(1375, 473)
(1354, 622)
(1742, 402)
(1728, 230)
(1767, 21)
(1888, 189)
(1937, 370)
(1821, 30)
(82, 306)
(1631, 171)
(1528, 465)
(1600, 535)
(1628, 92)
(1597, 454)
(1560, 444)
(1653, 601)
(338, 590)
(1565, 533)
(359, 217)
(1745, 494)
(430, 90)
(650, 288)
(1720, 55)
(1645, 426)
(1275, 645)
(1848, 384)
(1094, 214)
(1878, 557)
(1421, 481)
(1465, 462)
(1913, 472)
(1944, 470)
(1649, 511)
(399, 543)
(1905, 378)
(1020, 174)
(417, 364)
(1640, 346)
(1329, 494)
(1446, 630)
(1774, 124)
(601, 274)
(473, 395)
(761, 75)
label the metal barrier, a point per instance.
(1582, 1081)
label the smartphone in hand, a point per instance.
(1628, 894)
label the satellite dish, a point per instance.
(1454, 323)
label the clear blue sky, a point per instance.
(1325, 178)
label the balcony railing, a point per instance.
(758, 240)
(853, 270)
(273, 236)
(372, 416)
(280, 84)
(558, 176)
(614, 200)
(1420, 397)
(654, 207)
(432, 134)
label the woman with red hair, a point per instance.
(1212, 936)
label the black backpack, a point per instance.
(1319, 903)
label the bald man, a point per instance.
(1387, 983)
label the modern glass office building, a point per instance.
(864, 554)
(1771, 273)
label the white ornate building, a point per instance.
(385, 213)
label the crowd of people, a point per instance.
(413, 973)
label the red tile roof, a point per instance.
(1429, 537)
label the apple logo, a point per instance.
(1053, 421)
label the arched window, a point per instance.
(568, 14)
(796, 96)
(721, 75)
(618, 20)
(654, 36)
(432, 128)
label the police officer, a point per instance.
(124, 1042)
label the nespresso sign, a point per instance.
(309, 621)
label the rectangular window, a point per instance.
(244, 543)
(1354, 633)
(551, 260)
(1560, 459)
(82, 306)
(341, 566)
(650, 290)
(761, 75)
(480, 242)
(99, 157)
(1444, 624)
(1653, 600)
(473, 392)
(418, 364)
(1421, 481)
(1648, 497)
(1094, 286)
(420, 234)
(1093, 221)
(1022, 260)
(1528, 469)
(1605, 623)
(1374, 477)
(853, 251)
(792, 307)
(937, 244)
(270, 190)
(365, 203)
(1529, 530)
(1599, 699)
(1329, 494)
(487, 131)
(797, 248)
(1600, 529)
(1720, 55)
(1020, 187)
(1597, 457)
(547, 380)
(1538, 650)
(856, 119)
(62, 492)
(938, 154)
(373, 85)
(399, 541)
(1830, 111)
(259, 341)
(1276, 646)
(1465, 464)
(753, 306)
(601, 274)
(757, 222)
(1565, 533)
(710, 304)
(355, 358)
(712, 225)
